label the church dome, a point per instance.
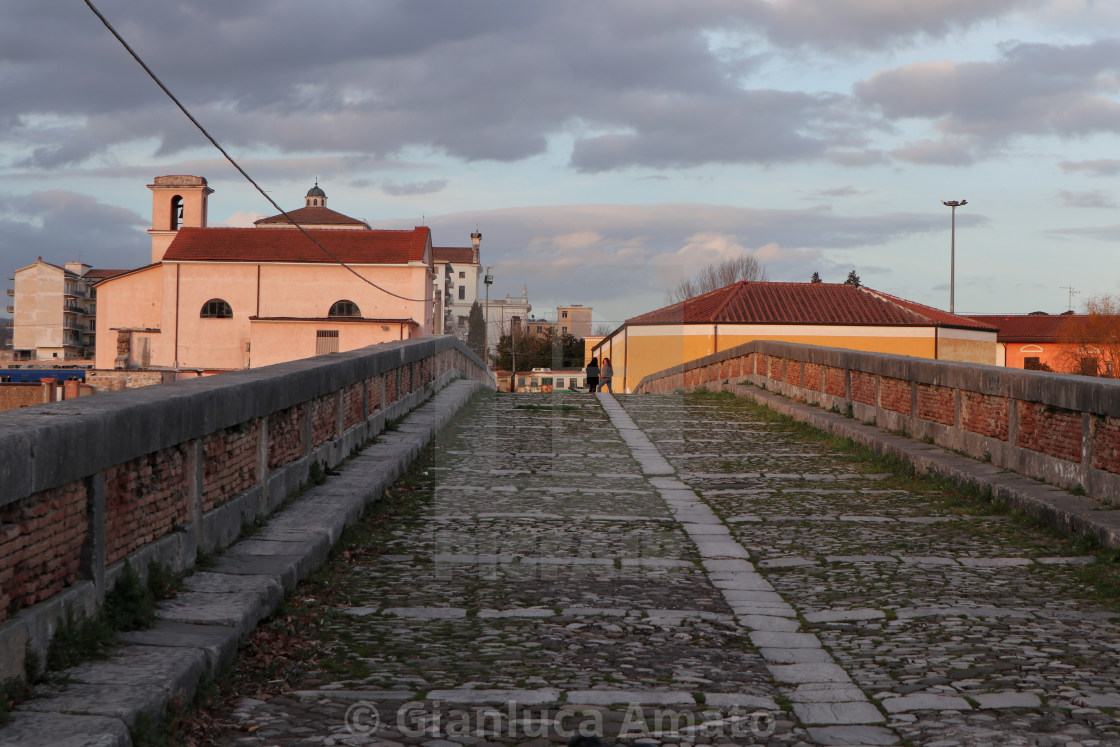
(316, 191)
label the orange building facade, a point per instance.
(220, 299)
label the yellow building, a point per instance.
(828, 314)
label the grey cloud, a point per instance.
(1098, 167)
(1094, 199)
(1034, 89)
(62, 226)
(413, 188)
(634, 83)
(874, 23)
(847, 190)
(1100, 233)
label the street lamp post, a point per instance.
(954, 204)
(488, 280)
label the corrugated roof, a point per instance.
(311, 216)
(460, 255)
(1031, 327)
(253, 245)
(803, 303)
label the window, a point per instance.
(564, 314)
(462, 292)
(176, 212)
(559, 383)
(563, 330)
(344, 308)
(326, 341)
(216, 308)
(1088, 366)
(462, 275)
(1031, 363)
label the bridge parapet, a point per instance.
(1062, 429)
(161, 472)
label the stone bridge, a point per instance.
(672, 568)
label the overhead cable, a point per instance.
(229, 158)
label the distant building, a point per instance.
(547, 380)
(506, 315)
(574, 320)
(458, 270)
(219, 299)
(1044, 342)
(54, 310)
(827, 314)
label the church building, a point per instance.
(220, 299)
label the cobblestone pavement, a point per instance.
(688, 571)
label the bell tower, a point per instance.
(178, 201)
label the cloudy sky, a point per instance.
(604, 149)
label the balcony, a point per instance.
(10, 309)
(11, 292)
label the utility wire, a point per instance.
(229, 158)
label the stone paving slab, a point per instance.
(29, 729)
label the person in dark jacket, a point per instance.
(593, 375)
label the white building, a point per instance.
(458, 270)
(54, 310)
(505, 314)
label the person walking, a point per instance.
(593, 375)
(605, 374)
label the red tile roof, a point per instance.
(311, 216)
(104, 274)
(1030, 327)
(460, 255)
(804, 303)
(256, 245)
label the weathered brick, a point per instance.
(985, 414)
(936, 403)
(1050, 430)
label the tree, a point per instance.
(602, 329)
(547, 350)
(717, 275)
(816, 278)
(1091, 342)
(853, 279)
(476, 330)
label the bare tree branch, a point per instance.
(717, 275)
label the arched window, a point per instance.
(216, 308)
(344, 308)
(176, 212)
(1031, 349)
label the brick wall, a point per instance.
(285, 436)
(863, 387)
(324, 419)
(229, 462)
(894, 394)
(1050, 430)
(145, 499)
(835, 381)
(937, 404)
(985, 414)
(352, 404)
(41, 538)
(1106, 444)
(15, 396)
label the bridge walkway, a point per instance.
(688, 569)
